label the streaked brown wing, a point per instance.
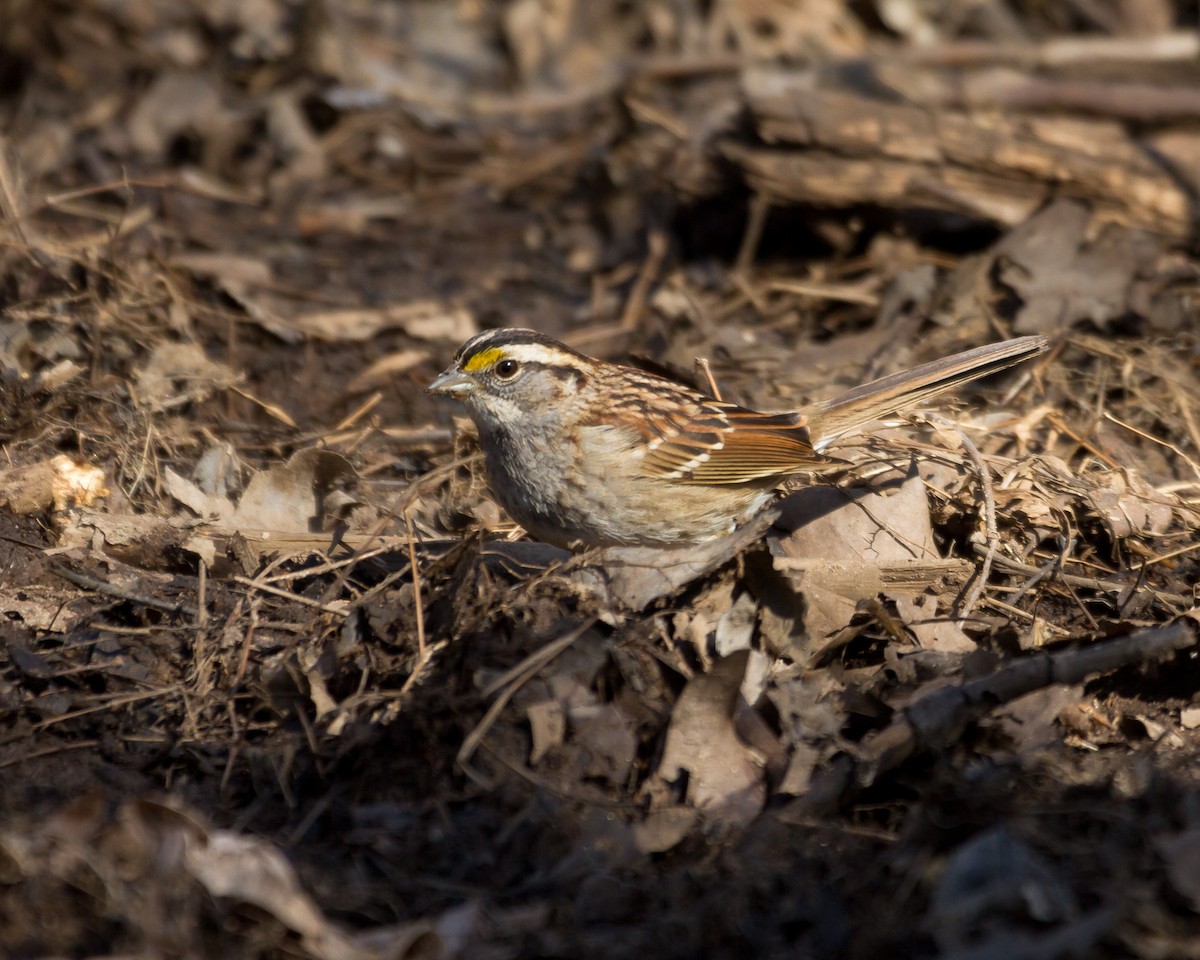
(724, 443)
(692, 438)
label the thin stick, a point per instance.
(705, 370)
(842, 292)
(364, 408)
(1060, 424)
(121, 700)
(756, 221)
(201, 597)
(1025, 615)
(1065, 580)
(49, 752)
(1171, 555)
(111, 590)
(287, 595)
(235, 747)
(247, 644)
(989, 520)
(416, 579)
(656, 254)
(1153, 439)
(1067, 546)
(329, 566)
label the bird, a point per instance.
(587, 453)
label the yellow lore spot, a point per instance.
(482, 359)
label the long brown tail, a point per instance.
(829, 419)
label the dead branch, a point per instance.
(839, 148)
(937, 720)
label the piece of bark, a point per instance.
(841, 148)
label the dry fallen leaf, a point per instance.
(1130, 507)
(173, 104)
(177, 374)
(422, 320)
(296, 496)
(547, 728)
(723, 781)
(839, 543)
(1065, 268)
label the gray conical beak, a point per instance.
(453, 383)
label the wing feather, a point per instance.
(746, 446)
(691, 438)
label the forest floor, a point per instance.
(277, 678)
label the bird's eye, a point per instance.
(507, 369)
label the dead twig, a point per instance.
(1173, 601)
(756, 222)
(937, 720)
(49, 752)
(1192, 464)
(120, 700)
(989, 521)
(704, 370)
(416, 580)
(111, 590)
(333, 609)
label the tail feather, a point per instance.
(829, 419)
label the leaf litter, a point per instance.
(276, 677)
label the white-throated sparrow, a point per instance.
(582, 452)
